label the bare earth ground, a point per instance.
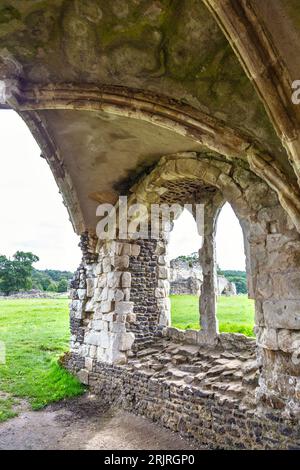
(83, 423)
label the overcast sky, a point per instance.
(33, 217)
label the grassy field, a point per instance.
(35, 333)
(235, 314)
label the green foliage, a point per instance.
(51, 280)
(15, 273)
(36, 333)
(52, 287)
(190, 258)
(6, 409)
(239, 278)
(235, 313)
(62, 285)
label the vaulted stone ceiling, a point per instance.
(169, 54)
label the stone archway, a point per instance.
(104, 106)
(133, 315)
(255, 34)
(254, 203)
(182, 119)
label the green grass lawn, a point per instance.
(35, 333)
(235, 313)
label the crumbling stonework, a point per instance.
(145, 100)
(121, 306)
(186, 277)
(202, 393)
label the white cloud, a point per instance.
(184, 239)
(229, 241)
(32, 214)
(33, 217)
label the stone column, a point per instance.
(275, 267)
(207, 258)
(101, 309)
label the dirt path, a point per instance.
(82, 423)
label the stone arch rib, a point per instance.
(253, 46)
(164, 112)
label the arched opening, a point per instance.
(235, 311)
(31, 209)
(34, 316)
(185, 272)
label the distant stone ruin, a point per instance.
(186, 277)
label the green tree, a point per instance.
(15, 273)
(63, 285)
(239, 278)
(52, 287)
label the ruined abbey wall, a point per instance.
(109, 88)
(120, 311)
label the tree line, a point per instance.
(18, 274)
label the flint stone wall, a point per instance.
(120, 293)
(211, 418)
(119, 299)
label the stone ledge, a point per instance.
(210, 417)
(229, 341)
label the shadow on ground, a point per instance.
(84, 423)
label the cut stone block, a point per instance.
(267, 338)
(163, 272)
(118, 295)
(124, 342)
(90, 305)
(289, 341)
(106, 306)
(283, 314)
(83, 376)
(113, 279)
(90, 287)
(88, 362)
(81, 294)
(124, 307)
(121, 262)
(126, 279)
(135, 250)
(106, 264)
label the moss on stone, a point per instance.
(293, 7)
(8, 13)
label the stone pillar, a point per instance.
(207, 258)
(101, 309)
(275, 268)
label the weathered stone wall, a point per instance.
(149, 291)
(188, 286)
(186, 277)
(204, 394)
(272, 246)
(275, 269)
(101, 310)
(120, 301)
